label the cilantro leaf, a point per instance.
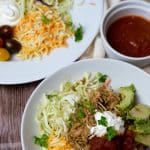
(103, 78)
(103, 121)
(42, 141)
(45, 20)
(89, 105)
(79, 34)
(80, 113)
(111, 133)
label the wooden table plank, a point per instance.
(12, 103)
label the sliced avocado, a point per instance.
(128, 97)
(143, 139)
(142, 127)
(140, 112)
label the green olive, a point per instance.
(4, 54)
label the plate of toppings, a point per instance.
(89, 105)
(38, 37)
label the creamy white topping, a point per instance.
(72, 98)
(112, 120)
(9, 13)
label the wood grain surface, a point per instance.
(12, 103)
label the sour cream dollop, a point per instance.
(112, 120)
(9, 13)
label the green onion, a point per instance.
(111, 133)
(80, 113)
(42, 141)
(79, 34)
(88, 104)
(103, 121)
(45, 20)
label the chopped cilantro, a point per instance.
(80, 113)
(79, 34)
(103, 121)
(111, 133)
(70, 122)
(69, 23)
(45, 20)
(42, 141)
(50, 96)
(60, 1)
(70, 26)
(103, 78)
(88, 104)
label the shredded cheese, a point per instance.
(55, 143)
(39, 38)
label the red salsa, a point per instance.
(130, 35)
(120, 142)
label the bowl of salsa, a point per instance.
(125, 32)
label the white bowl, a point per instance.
(121, 74)
(125, 8)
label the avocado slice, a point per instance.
(140, 112)
(143, 139)
(128, 97)
(142, 127)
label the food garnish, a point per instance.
(42, 141)
(79, 34)
(128, 97)
(111, 133)
(10, 13)
(1, 42)
(6, 32)
(103, 121)
(4, 54)
(12, 45)
(45, 20)
(8, 44)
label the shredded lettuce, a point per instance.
(56, 107)
(24, 5)
(62, 5)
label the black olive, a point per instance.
(12, 45)
(1, 42)
(6, 31)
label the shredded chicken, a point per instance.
(103, 98)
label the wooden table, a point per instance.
(12, 103)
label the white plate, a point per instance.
(89, 16)
(121, 74)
